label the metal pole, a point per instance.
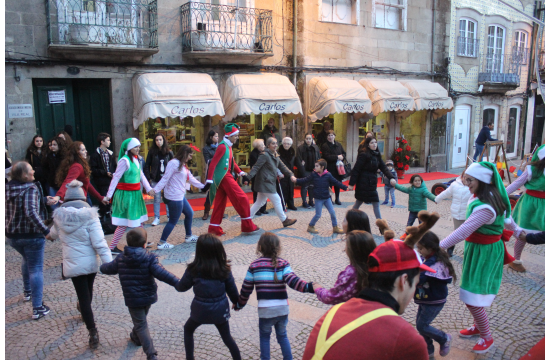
(433, 40)
(295, 41)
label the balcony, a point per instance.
(500, 72)
(225, 34)
(101, 30)
(467, 47)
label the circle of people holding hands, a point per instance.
(368, 295)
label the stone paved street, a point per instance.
(517, 315)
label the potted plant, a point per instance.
(401, 157)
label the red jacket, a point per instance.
(76, 171)
(385, 338)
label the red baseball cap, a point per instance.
(395, 255)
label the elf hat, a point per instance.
(128, 144)
(539, 155)
(395, 255)
(486, 172)
(231, 129)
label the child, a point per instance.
(356, 220)
(211, 279)
(388, 189)
(322, 181)
(418, 193)
(270, 274)
(359, 245)
(431, 292)
(137, 269)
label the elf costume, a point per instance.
(224, 185)
(128, 207)
(484, 252)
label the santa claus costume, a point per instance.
(224, 186)
(128, 209)
(527, 212)
(484, 251)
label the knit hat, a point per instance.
(128, 144)
(74, 191)
(389, 162)
(231, 129)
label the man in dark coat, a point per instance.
(103, 165)
(308, 153)
(321, 137)
(270, 131)
(332, 151)
(289, 158)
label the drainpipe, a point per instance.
(295, 40)
(433, 39)
(529, 76)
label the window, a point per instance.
(521, 50)
(467, 42)
(495, 49)
(390, 14)
(339, 11)
(513, 128)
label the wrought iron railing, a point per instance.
(521, 55)
(500, 68)
(209, 27)
(468, 47)
(119, 23)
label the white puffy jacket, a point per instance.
(82, 240)
(460, 194)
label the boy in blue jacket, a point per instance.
(388, 188)
(137, 269)
(322, 181)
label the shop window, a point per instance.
(339, 11)
(390, 14)
(467, 44)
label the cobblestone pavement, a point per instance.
(517, 315)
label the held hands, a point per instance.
(48, 237)
(151, 193)
(234, 307)
(350, 187)
(52, 200)
(242, 173)
(523, 236)
(109, 174)
(293, 179)
(316, 286)
(105, 200)
(340, 157)
(393, 182)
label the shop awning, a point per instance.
(260, 93)
(428, 95)
(174, 95)
(331, 95)
(387, 95)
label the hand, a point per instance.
(523, 236)
(293, 179)
(109, 174)
(245, 182)
(242, 173)
(105, 200)
(52, 200)
(48, 237)
(340, 157)
(316, 286)
(303, 162)
(281, 176)
(151, 193)
(350, 187)
(393, 182)
(206, 187)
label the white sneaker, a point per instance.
(156, 221)
(165, 246)
(191, 238)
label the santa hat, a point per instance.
(128, 144)
(231, 129)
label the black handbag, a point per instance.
(347, 167)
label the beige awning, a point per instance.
(387, 95)
(331, 95)
(429, 95)
(259, 93)
(174, 95)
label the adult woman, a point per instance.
(50, 164)
(308, 154)
(208, 152)
(364, 145)
(155, 166)
(35, 153)
(65, 136)
(175, 182)
(266, 182)
(77, 225)
(332, 151)
(128, 207)
(364, 174)
(289, 158)
(484, 252)
(356, 220)
(258, 148)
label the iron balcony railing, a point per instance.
(468, 47)
(209, 27)
(521, 55)
(500, 69)
(118, 23)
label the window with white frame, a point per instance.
(521, 49)
(467, 44)
(390, 14)
(339, 11)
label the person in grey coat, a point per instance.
(77, 224)
(265, 171)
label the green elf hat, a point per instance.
(486, 172)
(231, 129)
(128, 144)
(539, 155)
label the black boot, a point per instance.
(94, 338)
(337, 197)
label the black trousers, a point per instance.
(141, 329)
(103, 209)
(287, 187)
(304, 191)
(84, 286)
(189, 329)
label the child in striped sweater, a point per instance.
(270, 274)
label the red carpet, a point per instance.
(198, 204)
(536, 352)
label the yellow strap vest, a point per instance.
(323, 345)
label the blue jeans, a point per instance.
(479, 150)
(176, 209)
(280, 330)
(32, 251)
(426, 314)
(412, 217)
(51, 192)
(375, 207)
(389, 190)
(319, 203)
(157, 200)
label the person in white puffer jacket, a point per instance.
(460, 195)
(77, 225)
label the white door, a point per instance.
(513, 131)
(460, 136)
